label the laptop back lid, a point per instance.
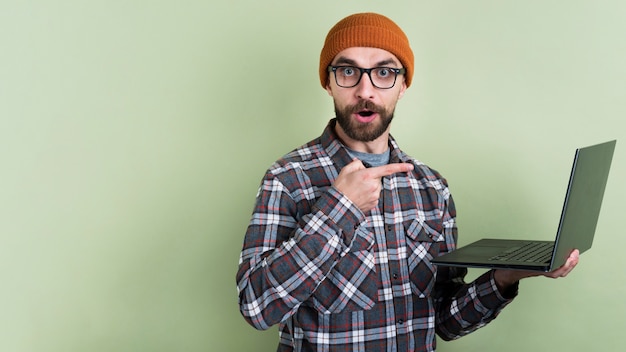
(583, 200)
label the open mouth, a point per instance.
(365, 111)
(365, 116)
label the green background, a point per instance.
(134, 135)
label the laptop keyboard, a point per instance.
(538, 252)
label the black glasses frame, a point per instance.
(397, 71)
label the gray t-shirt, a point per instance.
(371, 160)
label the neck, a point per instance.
(377, 146)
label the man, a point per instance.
(339, 245)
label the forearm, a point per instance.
(272, 287)
(509, 279)
(275, 278)
(472, 306)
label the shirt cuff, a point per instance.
(489, 295)
(509, 293)
(341, 213)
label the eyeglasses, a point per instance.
(381, 77)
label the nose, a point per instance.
(365, 89)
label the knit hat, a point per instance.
(366, 30)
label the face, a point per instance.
(364, 112)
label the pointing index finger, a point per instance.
(390, 169)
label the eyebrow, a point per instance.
(346, 61)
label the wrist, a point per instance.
(506, 281)
(502, 278)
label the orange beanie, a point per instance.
(366, 30)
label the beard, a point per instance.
(363, 132)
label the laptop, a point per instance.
(576, 229)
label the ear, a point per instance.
(328, 89)
(402, 89)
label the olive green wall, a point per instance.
(134, 134)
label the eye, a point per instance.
(383, 72)
(347, 71)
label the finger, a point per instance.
(569, 265)
(572, 261)
(390, 169)
(354, 165)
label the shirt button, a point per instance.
(400, 321)
(395, 276)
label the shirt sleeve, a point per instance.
(461, 307)
(286, 255)
(466, 307)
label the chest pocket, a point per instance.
(424, 238)
(352, 284)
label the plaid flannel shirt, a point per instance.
(338, 279)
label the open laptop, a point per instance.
(576, 228)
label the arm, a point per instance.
(286, 255)
(465, 307)
(473, 305)
(461, 307)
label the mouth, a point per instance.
(365, 116)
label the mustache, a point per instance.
(365, 105)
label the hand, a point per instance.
(569, 265)
(363, 185)
(506, 278)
